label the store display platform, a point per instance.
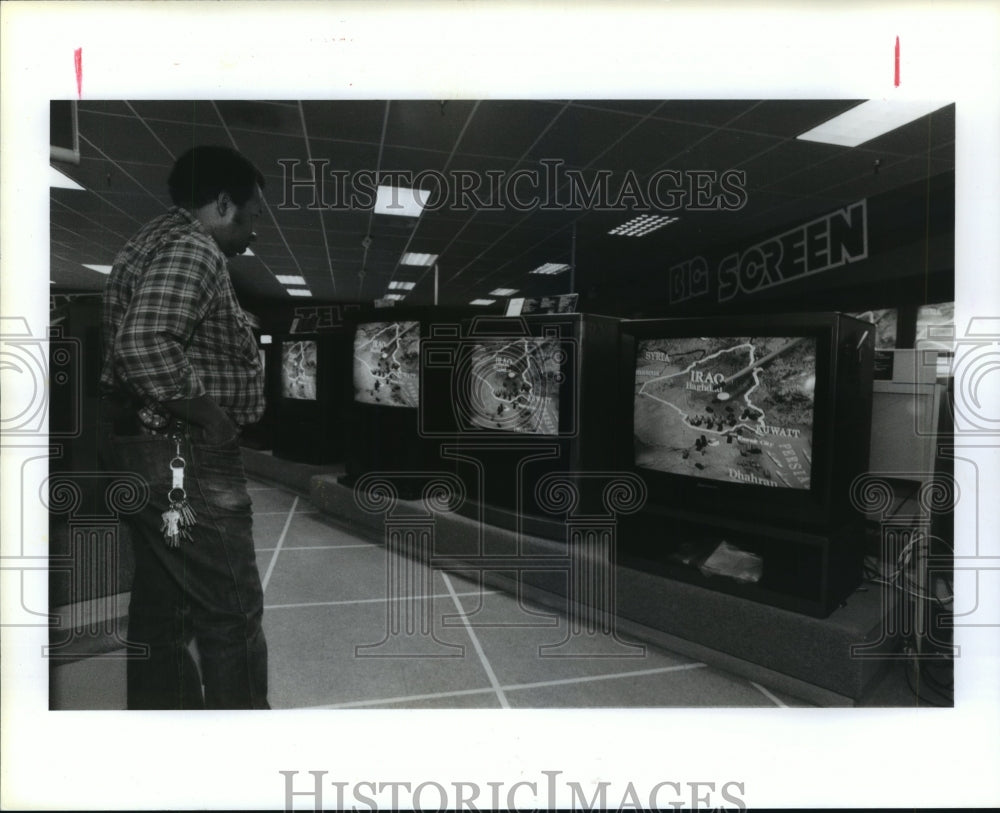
(800, 655)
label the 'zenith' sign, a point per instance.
(830, 241)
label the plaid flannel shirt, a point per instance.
(173, 327)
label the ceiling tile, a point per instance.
(506, 128)
(183, 112)
(789, 119)
(281, 118)
(580, 135)
(429, 125)
(925, 134)
(706, 112)
(359, 121)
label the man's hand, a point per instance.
(216, 434)
(204, 413)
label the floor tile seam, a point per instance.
(513, 687)
(277, 550)
(768, 694)
(379, 600)
(655, 670)
(491, 675)
(486, 690)
(287, 548)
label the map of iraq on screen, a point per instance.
(298, 370)
(513, 385)
(387, 364)
(738, 410)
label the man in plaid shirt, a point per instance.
(181, 374)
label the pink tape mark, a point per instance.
(897, 63)
(78, 60)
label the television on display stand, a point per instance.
(748, 432)
(516, 401)
(304, 374)
(385, 393)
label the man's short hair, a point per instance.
(201, 173)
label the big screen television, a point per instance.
(386, 363)
(511, 400)
(305, 400)
(384, 394)
(748, 432)
(761, 418)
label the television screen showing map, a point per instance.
(298, 370)
(513, 385)
(387, 364)
(738, 410)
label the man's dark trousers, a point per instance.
(207, 590)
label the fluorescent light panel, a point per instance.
(299, 292)
(550, 268)
(400, 201)
(100, 269)
(395, 297)
(503, 292)
(869, 120)
(415, 258)
(402, 286)
(482, 301)
(285, 279)
(61, 181)
(642, 225)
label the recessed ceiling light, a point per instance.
(61, 181)
(100, 269)
(401, 201)
(642, 225)
(550, 268)
(284, 279)
(503, 292)
(413, 258)
(482, 301)
(299, 292)
(265, 339)
(402, 286)
(869, 120)
(395, 297)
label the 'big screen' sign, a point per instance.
(831, 241)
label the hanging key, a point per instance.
(179, 517)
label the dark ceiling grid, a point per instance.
(259, 260)
(850, 178)
(78, 214)
(128, 148)
(642, 117)
(319, 211)
(447, 165)
(116, 165)
(521, 159)
(152, 132)
(366, 240)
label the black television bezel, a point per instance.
(825, 504)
